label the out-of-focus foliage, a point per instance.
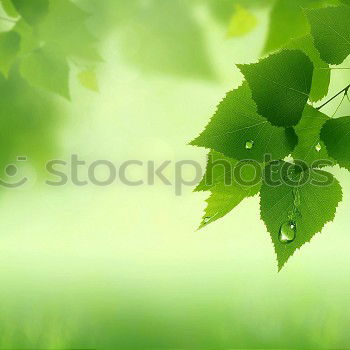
(88, 79)
(28, 121)
(9, 8)
(46, 36)
(167, 37)
(31, 11)
(164, 37)
(43, 68)
(287, 21)
(242, 22)
(223, 10)
(156, 36)
(39, 40)
(9, 48)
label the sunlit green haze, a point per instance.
(124, 267)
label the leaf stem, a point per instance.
(345, 91)
(332, 68)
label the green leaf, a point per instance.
(331, 32)
(65, 29)
(336, 136)
(287, 21)
(310, 148)
(88, 79)
(322, 74)
(223, 199)
(33, 11)
(242, 22)
(229, 181)
(60, 36)
(29, 41)
(239, 132)
(314, 205)
(9, 8)
(29, 122)
(219, 170)
(222, 10)
(45, 69)
(280, 86)
(9, 48)
(222, 170)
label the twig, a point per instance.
(345, 91)
(340, 103)
(331, 68)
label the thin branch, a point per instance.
(341, 102)
(335, 68)
(345, 91)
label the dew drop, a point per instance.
(287, 232)
(318, 147)
(249, 144)
(206, 219)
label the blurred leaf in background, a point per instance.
(59, 37)
(45, 69)
(88, 79)
(9, 8)
(223, 10)
(242, 22)
(39, 40)
(29, 121)
(9, 48)
(32, 11)
(164, 37)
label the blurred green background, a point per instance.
(123, 267)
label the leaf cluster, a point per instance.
(47, 36)
(270, 120)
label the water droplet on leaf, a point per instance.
(287, 232)
(318, 147)
(296, 195)
(249, 145)
(206, 219)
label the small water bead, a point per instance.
(287, 232)
(206, 219)
(318, 147)
(249, 144)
